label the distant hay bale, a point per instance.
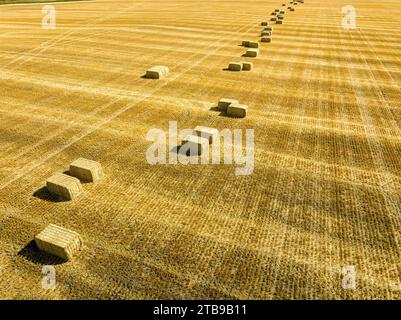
(266, 33)
(252, 53)
(64, 186)
(292, 9)
(247, 66)
(277, 10)
(245, 43)
(279, 22)
(280, 18)
(282, 12)
(157, 72)
(58, 241)
(224, 103)
(269, 28)
(266, 39)
(237, 110)
(195, 145)
(264, 23)
(86, 170)
(253, 44)
(211, 134)
(235, 66)
(274, 13)
(273, 19)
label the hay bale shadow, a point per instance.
(216, 109)
(179, 150)
(221, 112)
(44, 194)
(32, 253)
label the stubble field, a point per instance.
(325, 104)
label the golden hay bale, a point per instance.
(157, 72)
(266, 33)
(64, 186)
(224, 103)
(86, 170)
(252, 53)
(211, 134)
(195, 145)
(58, 241)
(253, 44)
(237, 110)
(247, 66)
(274, 13)
(268, 29)
(279, 22)
(282, 12)
(245, 43)
(266, 39)
(292, 9)
(264, 23)
(277, 10)
(234, 66)
(273, 19)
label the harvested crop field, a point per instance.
(325, 106)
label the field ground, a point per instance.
(31, 1)
(325, 105)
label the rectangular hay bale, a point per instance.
(224, 103)
(247, 66)
(237, 110)
(266, 39)
(58, 241)
(64, 186)
(252, 53)
(253, 44)
(234, 66)
(86, 170)
(157, 72)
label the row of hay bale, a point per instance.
(202, 136)
(68, 186)
(54, 239)
(279, 14)
(240, 66)
(233, 108)
(64, 243)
